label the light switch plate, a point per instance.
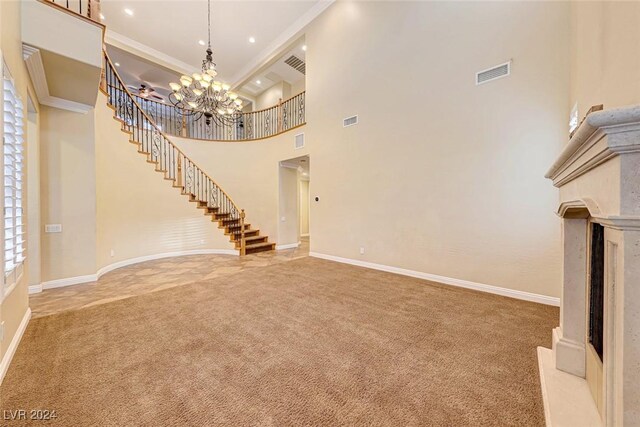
(53, 228)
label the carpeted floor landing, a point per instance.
(308, 342)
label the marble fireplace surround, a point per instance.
(598, 175)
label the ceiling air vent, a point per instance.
(350, 121)
(493, 73)
(299, 141)
(297, 63)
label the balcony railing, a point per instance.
(85, 8)
(253, 125)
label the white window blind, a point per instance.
(13, 148)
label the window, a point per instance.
(13, 148)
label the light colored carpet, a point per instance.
(308, 342)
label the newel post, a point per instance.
(243, 243)
(280, 118)
(179, 173)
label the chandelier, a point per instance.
(199, 95)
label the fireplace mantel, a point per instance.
(602, 136)
(598, 176)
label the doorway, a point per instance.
(294, 203)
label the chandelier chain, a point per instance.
(199, 95)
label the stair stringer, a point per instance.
(138, 213)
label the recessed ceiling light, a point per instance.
(117, 64)
(252, 39)
(201, 42)
(102, 16)
(258, 82)
(304, 47)
(128, 11)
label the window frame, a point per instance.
(13, 183)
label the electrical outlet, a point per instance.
(113, 252)
(1, 331)
(283, 219)
(53, 228)
(361, 250)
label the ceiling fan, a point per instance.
(144, 91)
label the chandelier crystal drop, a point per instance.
(200, 95)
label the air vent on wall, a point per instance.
(299, 141)
(297, 63)
(493, 73)
(350, 121)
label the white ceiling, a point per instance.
(175, 27)
(135, 71)
(276, 72)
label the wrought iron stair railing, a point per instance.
(168, 158)
(84, 8)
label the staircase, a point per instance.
(177, 168)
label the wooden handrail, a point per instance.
(76, 14)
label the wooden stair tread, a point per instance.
(259, 245)
(235, 237)
(254, 242)
(251, 238)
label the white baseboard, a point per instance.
(288, 246)
(59, 283)
(94, 277)
(13, 345)
(137, 260)
(512, 293)
(35, 289)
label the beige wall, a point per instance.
(272, 95)
(33, 198)
(605, 60)
(139, 213)
(14, 305)
(450, 183)
(446, 177)
(298, 87)
(304, 207)
(68, 193)
(253, 184)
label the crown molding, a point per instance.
(148, 53)
(35, 67)
(282, 43)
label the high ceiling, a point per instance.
(174, 28)
(276, 72)
(136, 71)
